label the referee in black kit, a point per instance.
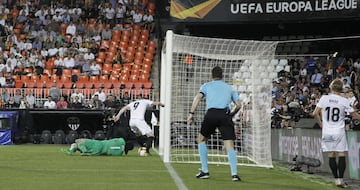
(219, 96)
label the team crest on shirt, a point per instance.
(73, 123)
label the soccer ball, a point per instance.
(142, 151)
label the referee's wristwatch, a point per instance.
(192, 113)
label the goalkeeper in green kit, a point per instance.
(90, 147)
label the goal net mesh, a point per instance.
(249, 67)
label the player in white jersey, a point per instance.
(330, 114)
(137, 121)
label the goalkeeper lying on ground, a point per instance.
(90, 147)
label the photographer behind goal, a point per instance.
(289, 114)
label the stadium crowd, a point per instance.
(298, 88)
(43, 39)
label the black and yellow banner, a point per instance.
(261, 10)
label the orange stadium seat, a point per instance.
(108, 85)
(48, 84)
(19, 84)
(79, 84)
(67, 72)
(30, 84)
(89, 85)
(75, 71)
(104, 44)
(137, 61)
(147, 61)
(68, 85)
(54, 78)
(144, 77)
(40, 84)
(106, 72)
(126, 32)
(59, 84)
(35, 78)
(145, 93)
(139, 55)
(83, 78)
(138, 85)
(93, 79)
(107, 66)
(136, 27)
(16, 77)
(151, 50)
(65, 78)
(125, 38)
(101, 55)
(152, 43)
(49, 64)
(147, 85)
(112, 49)
(142, 44)
(129, 85)
(117, 67)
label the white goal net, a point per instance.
(186, 64)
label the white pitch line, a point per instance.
(179, 183)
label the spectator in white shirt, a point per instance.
(88, 56)
(58, 62)
(57, 17)
(62, 50)
(101, 94)
(53, 51)
(71, 29)
(357, 63)
(148, 20)
(109, 14)
(69, 62)
(78, 94)
(28, 44)
(95, 69)
(137, 17)
(41, 14)
(2, 80)
(30, 98)
(49, 103)
(120, 10)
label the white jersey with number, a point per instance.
(138, 108)
(333, 110)
(137, 121)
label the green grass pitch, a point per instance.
(44, 167)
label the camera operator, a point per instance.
(290, 114)
(286, 119)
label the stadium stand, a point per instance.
(38, 66)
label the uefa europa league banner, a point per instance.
(262, 10)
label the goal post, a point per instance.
(186, 63)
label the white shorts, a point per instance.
(139, 125)
(334, 142)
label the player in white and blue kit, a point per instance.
(330, 115)
(219, 96)
(137, 121)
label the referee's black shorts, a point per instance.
(217, 118)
